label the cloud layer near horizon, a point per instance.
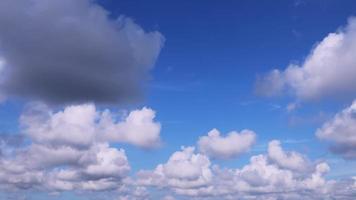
(275, 175)
(68, 51)
(71, 150)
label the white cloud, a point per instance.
(275, 176)
(55, 163)
(232, 145)
(328, 71)
(183, 171)
(81, 125)
(138, 128)
(107, 162)
(98, 168)
(75, 125)
(341, 132)
(70, 149)
(288, 160)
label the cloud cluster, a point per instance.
(328, 71)
(82, 125)
(67, 51)
(185, 173)
(276, 175)
(63, 168)
(341, 132)
(71, 149)
(217, 146)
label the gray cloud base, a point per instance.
(70, 52)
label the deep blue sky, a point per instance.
(214, 50)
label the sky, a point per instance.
(176, 100)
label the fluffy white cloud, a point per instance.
(70, 149)
(53, 162)
(98, 168)
(138, 128)
(184, 170)
(289, 160)
(81, 125)
(328, 71)
(341, 132)
(233, 144)
(75, 125)
(275, 175)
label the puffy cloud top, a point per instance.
(232, 145)
(66, 51)
(82, 125)
(289, 160)
(328, 71)
(70, 149)
(191, 174)
(183, 170)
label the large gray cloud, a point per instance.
(66, 51)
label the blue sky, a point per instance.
(205, 74)
(201, 65)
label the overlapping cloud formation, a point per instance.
(72, 150)
(69, 51)
(341, 132)
(82, 125)
(328, 71)
(275, 175)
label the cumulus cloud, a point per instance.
(289, 160)
(66, 51)
(71, 149)
(192, 175)
(82, 125)
(57, 164)
(233, 144)
(328, 71)
(138, 128)
(341, 132)
(184, 170)
(64, 168)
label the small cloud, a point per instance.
(292, 106)
(225, 147)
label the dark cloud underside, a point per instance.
(70, 52)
